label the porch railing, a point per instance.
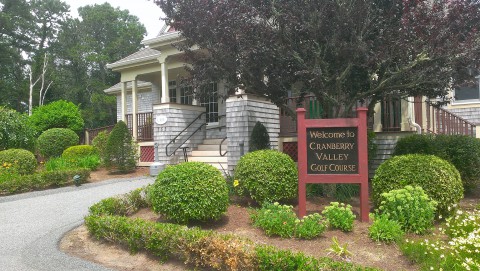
(92, 133)
(144, 126)
(441, 121)
(315, 109)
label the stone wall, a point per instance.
(242, 114)
(170, 120)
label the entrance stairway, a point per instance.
(209, 152)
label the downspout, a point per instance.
(411, 115)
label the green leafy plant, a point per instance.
(15, 133)
(53, 142)
(280, 220)
(385, 229)
(338, 250)
(410, 207)
(120, 151)
(20, 161)
(79, 151)
(267, 176)
(310, 226)
(462, 151)
(190, 191)
(61, 163)
(275, 219)
(58, 114)
(259, 139)
(438, 178)
(339, 216)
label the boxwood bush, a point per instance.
(20, 161)
(267, 176)
(190, 191)
(439, 179)
(462, 151)
(53, 142)
(79, 151)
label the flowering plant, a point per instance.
(339, 216)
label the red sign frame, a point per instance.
(361, 178)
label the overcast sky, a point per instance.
(148, 13)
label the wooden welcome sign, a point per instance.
(333, 151)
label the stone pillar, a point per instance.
(134, 109)
(169, 120)
(165, 93)
(242, 114)
(123, 103)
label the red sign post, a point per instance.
(333, 151)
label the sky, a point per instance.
(148, 13)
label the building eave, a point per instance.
(164, 39)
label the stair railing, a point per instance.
(441, 121)
(220, 147)
(181, 132)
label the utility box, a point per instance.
(156, 168)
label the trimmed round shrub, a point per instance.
(15, 133)
(79, 151)
(53, 142)
(22, 161)
(190, 191)
(462, 151)
(58, 114)
(439, 179)
(267, 176)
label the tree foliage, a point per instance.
(15, 132)
(343, 51)
(77, 51)
(59, 114)
(120, 151)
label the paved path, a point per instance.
(32, 224)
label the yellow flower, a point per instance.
(235, 183)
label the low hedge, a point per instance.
(204, 248)
(42, 180)
(195, 246)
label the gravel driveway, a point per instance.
(32, 224)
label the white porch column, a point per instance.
(134, 110)
(165, 92)
(123, 104)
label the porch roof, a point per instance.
(118, 87)
(144, 54)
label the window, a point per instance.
(391, 114)
(172, 91)
(186, 95)
(211, 103)
(467, 93)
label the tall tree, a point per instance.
(101, 35)
(343, 51)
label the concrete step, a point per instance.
(214, 141)
(207, 153)
(206, 159)
(212, 147)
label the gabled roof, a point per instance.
(118, 87)
(144, 54)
